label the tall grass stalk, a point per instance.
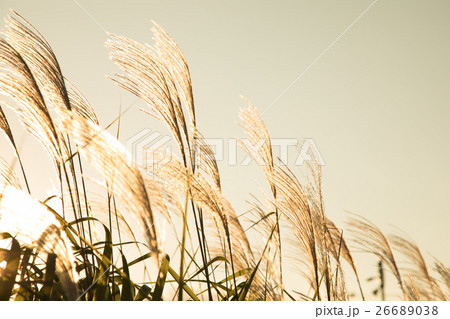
(71, 246)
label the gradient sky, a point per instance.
(377, 104)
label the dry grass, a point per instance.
(73, 252)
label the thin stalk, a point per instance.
(201, 241)
(85, 202)
(227, 231)
(381, 274)
(183, 243)
(206, 249)
(23, 170)
(111, 232)
(76, 218)
(279, 245)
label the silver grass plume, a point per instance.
(205, 160)
(109, 158)
(417, 268)
(42, 61)
(56, 91)
(259, 147)
(444, 273)
(208, 197)
(163, 200)
(4, 126)
(412, 293)
(149, 79)
(293, 203)
(338, 247)
(18, 83)
(267, 281)
(371, 239)
(7, 176)
(173, 58)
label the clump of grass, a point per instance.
(79, 246)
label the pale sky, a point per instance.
(377, 104)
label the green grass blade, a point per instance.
(209, 263)
(244, 292)
(144, 292)
(24, 293)
(139, 259)
(185, 287)
(127, 286)
(161, 281)
(102, 275)
(49, 277)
